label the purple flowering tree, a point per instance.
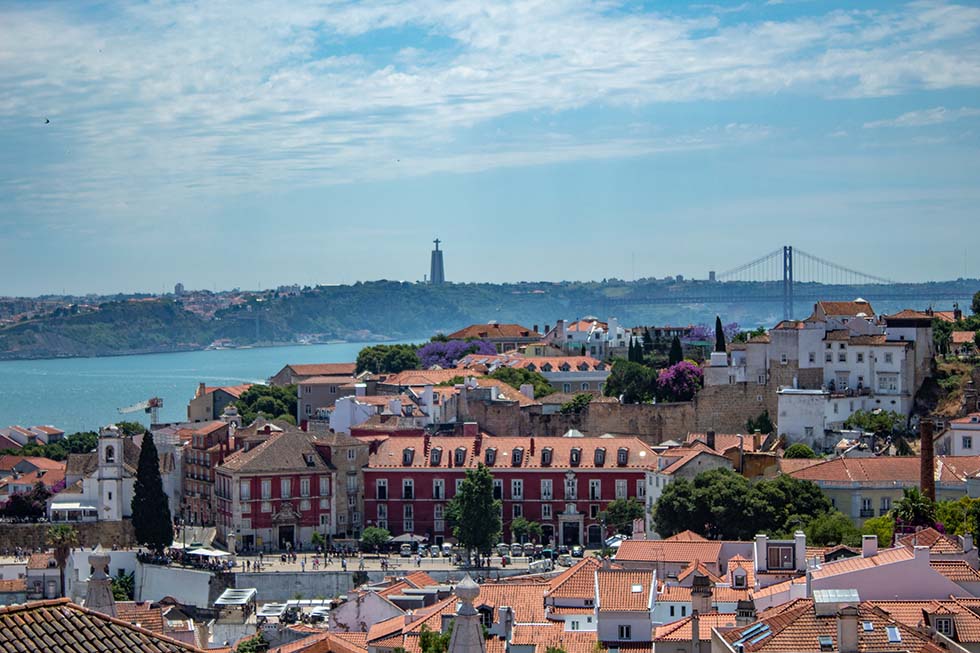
(445, 354)
(704, 333)
(680, 382)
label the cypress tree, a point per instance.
(719, 335)
(647, 341)
(676, 354)
(151, 509)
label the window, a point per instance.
(671, 611)
(944, 627)
(738, 579)
(352, 454)
(808, 431)
(517, 456)
(382, 511)
(408, 455)
(459, 457)
(782, 359)
(546, 490)
(491, 455)
(545, 511)
(438, 489)
(352, 484)
(886, 504)
(517, 510)
(593, 511)
(967, 441)
(381, 489)
(408, 511)
(894, 636)
(781, 557)
(517, 489)
(266, 488)
(595, 489)
(599, 457)
(498, 488)
(245, 490)
(621, 488)
(570, 488)
(110, 454)
(625, 631)
(575, 457)
(546, 457)
(309, 409)
(575, 623)
(866, 504)
(860, 357)
(842, 357)
(285, 487)
(309, 460)
(622, 456)
(408, 488)
(813, 357)
(304, 505)
(435, 456)
(828, 357)
(266, 506)
(439, 511)
(641, 489)
(566, 387)
(683, 610)
(585, 386)
(459, 484)
(889, 357)
(888, 382)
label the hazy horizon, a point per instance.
(320, 142)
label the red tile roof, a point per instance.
(958, 571)
(494, 332)
(668, 551)
(327, 380)
(696, 566)
(13, 585)
(972, 418)
(966, 623)
(726, 441)
(853, 308)
(576, 582)
(9, 462)
(324, 369)
(141, 613)
(686, 536)
(683, 630)
(234, 390)
(410, 378)
(623, 591)
(902, 469)
(847, 565)
(936, 541)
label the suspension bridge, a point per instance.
(789, 275)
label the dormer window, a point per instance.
(622, 456)
(576, 457)
(491, 456)
(531, 368)
(600, 457)
(738, 579)
(308, 458)
(408, 455)
(436, 456)
(546, 367)
(565, 367)
(546, 457)
(517, 456)
(459, 457)
(583, 367)
(944, 626)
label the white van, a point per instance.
(405, 550)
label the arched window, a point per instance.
(110, 454)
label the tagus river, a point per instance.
(79, 394)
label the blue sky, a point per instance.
(253, 144)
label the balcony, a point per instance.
(883, 511)
(867, 512)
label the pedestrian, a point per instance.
(343, 564)
(302, 565)
(360, 564)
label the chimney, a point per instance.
(426, 443)
(957, 313)
(701, 594)
(360, 389)
(921, 555)
(710, 437)
(967, 542)
(536, 329)
(759, 555)
(546, 329)
(201, 390)
(869, 546)
(695, 631)
(927, 466)
(847, 629)
(477, 444)
(531, 453)
(744, 613)
(471, 429)
(757, 440)
(799, 538)
(527, 390)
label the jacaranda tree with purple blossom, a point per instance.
(445, 354)
(679, 382)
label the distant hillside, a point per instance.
(393, 310)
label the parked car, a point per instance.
(447, 550)
(516, 550)
(529, 549)
(547, 554)
(405, 550)
(503, 549)
(565, 560)
(562, 549)
(577, 551)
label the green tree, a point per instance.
(123, 586)
(577, 404)
(942, 335)
(62, 538)
(799, 450)
(317, 539)
(955, 515)
(975, 304)
(883, 527)
(647, 341)
(433, 641)
(881, 422)
(832, 528)
(902, 446)
(373, 538)
(387, 359)
(474, 512)
(745, 336)
(720, 345)
(255, 644)
(914, 509)
(762, 423)
(620, 514)
(269, 401)
(515, 377)
(151, 508)
(676, 352)
(632, 382)
(523, 530)
(131, 428)
(973, 518)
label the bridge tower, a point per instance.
(787, 282)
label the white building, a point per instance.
(962, 438)
(597, 337)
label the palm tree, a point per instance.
(62, 538)
(914, 509)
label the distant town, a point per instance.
(577, 485)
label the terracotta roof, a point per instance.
(9, 462)
(58, 625)
(585, 325)
(958, 571)
(494, 331)
(326, 380)
(790, 465)
(909, 314)
(936, 541)
(545, 636)
(48, 429)
(698, 566)
(41, 561)
(790, 325)
(13, 585)
(778, 588)
(853, 308)
(739, 562)
(7, 443)
(847, 565)
(390, 453)
(623, 591)
(420, 579)
(686, 536)
(235, 391)
(897, 469)
(726, 441)
(683, 631)
(506, 392)
(682, 456)
(796, 627)
(282, 452)
(668, 551)
(385, 628)
(966, 623)
(143, 614)
(576, 582)
(543, 364)
(410, 378)
(48, 477)
(324, 369)
(972, 418)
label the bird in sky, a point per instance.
(46, 121)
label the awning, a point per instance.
(208, 553)
(72, 505)
(408, 538)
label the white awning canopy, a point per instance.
(208, 553)
(72, 505)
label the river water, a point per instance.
(80, 394)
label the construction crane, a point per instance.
(151, 406)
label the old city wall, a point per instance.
(726, 408)
(31, 536)
(653, 423)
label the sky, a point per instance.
(229, 144)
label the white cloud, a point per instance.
(925, 117)
(153, 102)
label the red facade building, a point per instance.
(206, 448)
(563, 483)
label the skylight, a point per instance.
(636, 588)
(893, 634)
(868, 626)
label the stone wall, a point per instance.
(726, 408)
(652, 423)
(108, 534)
